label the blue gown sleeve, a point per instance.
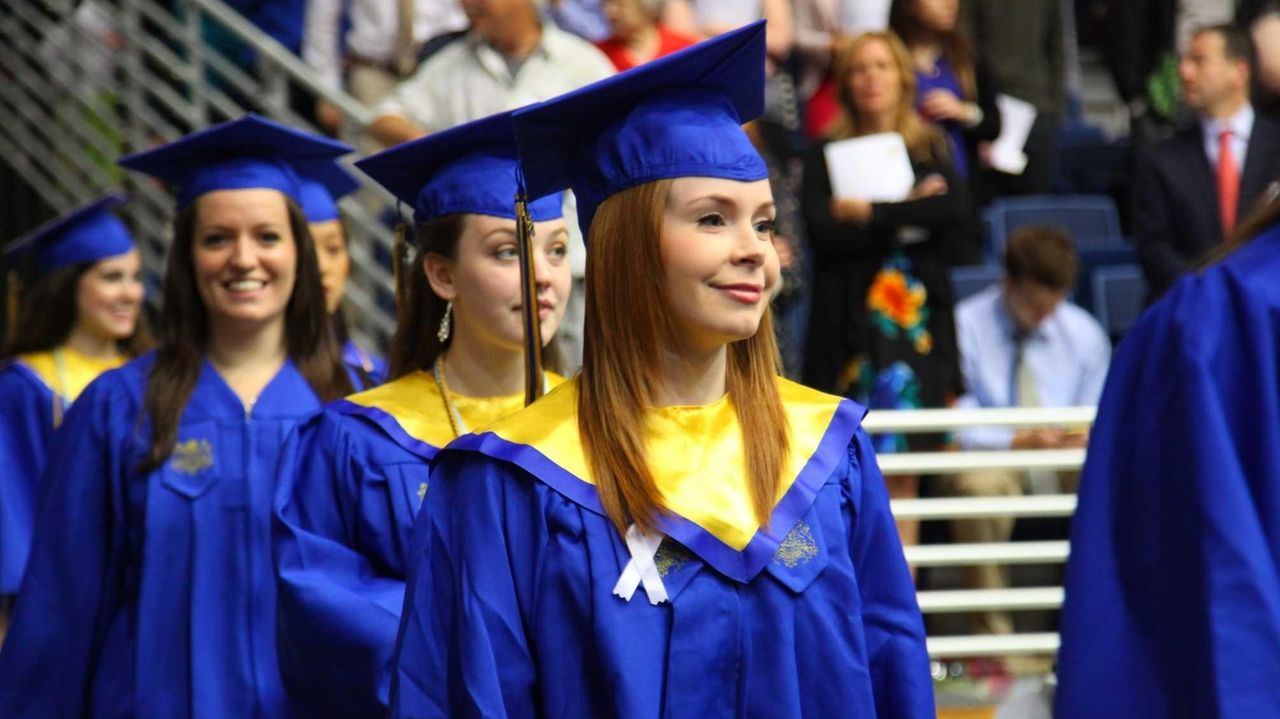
(26, 423)
(73, 576)
(337, 611)
(896, 651)
(1173, 587)
(464, 648)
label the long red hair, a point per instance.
(627, 323)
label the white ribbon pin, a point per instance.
(641, 569)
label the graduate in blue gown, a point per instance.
(677, 531)
(149, 591)
(79, 315)
(1173, 585)
(354, 475)
(320, 194)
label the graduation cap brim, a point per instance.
(322, 186)
(467, 168)
(249, 139)
(54, 245)
(732, 64)
(405, 168)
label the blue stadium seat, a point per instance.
(1119, 294)
(1092, 220)
(971, 279)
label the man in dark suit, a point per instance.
(1189, 190)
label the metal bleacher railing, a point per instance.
(949, 508)
(83, 82)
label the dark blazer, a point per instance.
(1175, 199)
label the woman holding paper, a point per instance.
(881, 327)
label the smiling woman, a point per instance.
(171, 457)
(79, 314)
(747, 508)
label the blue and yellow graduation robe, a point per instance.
(1173, 585)
(510, 608)
(351, 481)
(153, 595)
(32, 401)
(359, 362)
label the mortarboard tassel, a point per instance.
(533, 381)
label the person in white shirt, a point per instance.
(369, 53)
(508, 59)
(1023, 344)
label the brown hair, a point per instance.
(183, 327)
(1262, 216)
(419, 310)
(956, 47)
(47, 314)
(1043, 254)
(627, 323)
(924, 142)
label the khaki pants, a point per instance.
(990, 530)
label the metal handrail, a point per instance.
(979, 600)
(941, 420)
(1044, 505)
(963, 555)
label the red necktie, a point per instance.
(1228, 183)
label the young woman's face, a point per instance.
(245, 255)
(484, 281)
(874, 79)
(937, 15)
(717, 252)
(335, 263)
(109, 297)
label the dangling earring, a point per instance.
(443, 333)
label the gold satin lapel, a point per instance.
(695, 453)
(80, 370)
(414, 402)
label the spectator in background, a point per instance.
(823, 29)
(379, 48)
(584, 18)
(948, 90)
(1022, 344)
(881, 328)
(708, 18)
(1265, 32)
(951, 89)
(1188, 189)
(1021, 44)
(637, 35)
(509, 58)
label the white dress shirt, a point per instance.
(1241, 126)
(372, 34)
(1067, 355)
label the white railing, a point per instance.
(1014, 599)
(83, 82)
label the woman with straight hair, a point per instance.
(952, 89)
(80, 315)
(149, 590)
(354, 474)
(677, 530)
(320, 195)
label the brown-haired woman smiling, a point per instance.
(149, 591)
(79, 316)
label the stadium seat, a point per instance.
(1119, 292)
(971, 279)
(1092, 220)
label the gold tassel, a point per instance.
(533, 379)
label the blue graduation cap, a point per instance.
(469, 168)
(321, 190)
(86, 234)
(678, 116)
(251, 152)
